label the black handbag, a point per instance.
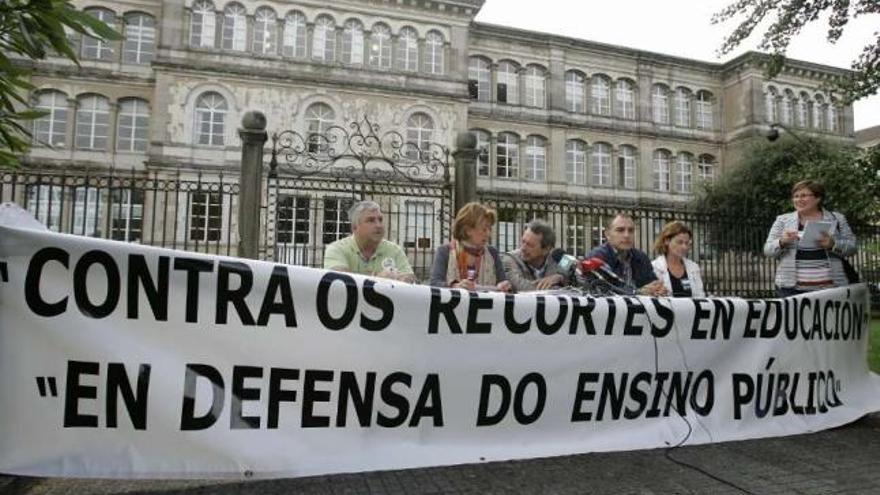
(852, 276)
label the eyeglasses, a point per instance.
(803, 195)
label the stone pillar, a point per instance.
(465, 156)
(253, 137)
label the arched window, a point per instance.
(51, 128)
(661, 170)
(819, 117)
(507, 155)
(294, 42)
(353, 42)
(483, 144)
(140, 39)
(324, 39)
(211, 109)
(660, 104)
(706, 167)
(419, 135)
(536, 158)
(625, 99)
(574, 92)
(600, 96)
(235, 27)
(202, 24)
(534, 86)
(132, 125)
(626, 167)
(684, 166)
(92, 122)
(507, 83)
(479, 79)
(94, 48)
(576, 162)
(434, 53)
(833, 115)
(683, 107)
(380, 47)
(408, 49)
(704, 110)
(786, 107)
(771, 112)
(600, 161)
(803, 112)
(265, 31)
(319, 118)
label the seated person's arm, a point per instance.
(514, 274)
(403, 272)
(439, 267)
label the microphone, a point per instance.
(565, 261)
(606, 270)
(599, 269)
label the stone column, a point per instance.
(465, 157)
(253, 137)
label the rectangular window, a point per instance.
(536, 161)
(419, 224)
(626, 171)
(87, 212)
(205, 217)
(44, 202)
(336, 224)
(126, 215)
(575, 234)
(292, 219)
(508, 232)
(704, 115)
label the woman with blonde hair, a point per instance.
(468, 261)
(679, 275)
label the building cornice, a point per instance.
(758, 61)
(307, 73)
(465, 9)
(749, 59)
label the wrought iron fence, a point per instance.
(728, 249)
(177, 210)
(197, 212)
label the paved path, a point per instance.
(841, 461)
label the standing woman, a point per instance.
(468, 261)
(679, 275)
(804, 268)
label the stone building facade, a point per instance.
(553, 116)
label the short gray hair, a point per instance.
(543, 229)
(354, 213)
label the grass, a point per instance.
(874, 346)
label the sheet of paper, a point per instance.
(812, 233)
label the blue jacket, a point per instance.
(642, 270)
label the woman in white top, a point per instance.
(680, 275)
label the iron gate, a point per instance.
(314, 178)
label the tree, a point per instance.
(791, 17)
(759, 187)
(32, 29)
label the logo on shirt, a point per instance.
(388, 264)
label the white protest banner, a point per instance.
(120, 360)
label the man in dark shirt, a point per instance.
(630, 264)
